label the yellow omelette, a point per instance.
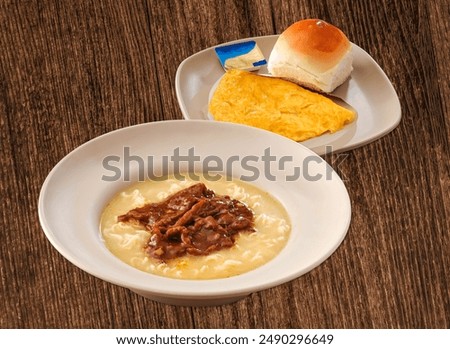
(276, 105)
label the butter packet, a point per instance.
(243, 56)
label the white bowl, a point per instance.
(74, 195)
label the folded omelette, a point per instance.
(276, 105)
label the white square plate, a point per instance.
(368, 91)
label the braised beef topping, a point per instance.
(192, 221)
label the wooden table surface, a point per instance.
(73, 70)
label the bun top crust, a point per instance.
(324, 43)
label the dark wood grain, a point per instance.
(73, 70)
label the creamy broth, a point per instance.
(251, 250)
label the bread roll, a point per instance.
(312, 53)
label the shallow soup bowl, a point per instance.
(79, 187)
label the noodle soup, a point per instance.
(250, 250)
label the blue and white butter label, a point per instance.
(243, 55)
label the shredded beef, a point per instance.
(192, 221)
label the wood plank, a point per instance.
(71, 71)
